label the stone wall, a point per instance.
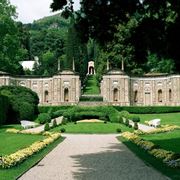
(119, 89)
(61, 89)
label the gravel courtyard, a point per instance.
(91, 157)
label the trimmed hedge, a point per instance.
(91, 98)
(148, 109)
(79, 112)
(23, 103)
(46, 109)
(44, 118)
(4, 106)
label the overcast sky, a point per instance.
(30, 10)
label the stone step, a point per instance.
(92, 103)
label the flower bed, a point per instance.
(19, 156)
(170, 158)
(165, 128)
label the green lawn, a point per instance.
(169, 140)
(15, 172)
(152, 161)
(92, 128)
(167, 118)
(91, 86)
(10, 142)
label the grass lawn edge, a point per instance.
(32, 160)
(151, 161)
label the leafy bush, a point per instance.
(44, 118)
(125, 114)
(135, 119)
(46, 127)
(148, 109)
(127, 122)
(4, 107)
(118, 130)
(57, 113)
(23, 103)
(62, 130)
(135, 125)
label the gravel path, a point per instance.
(91, 157)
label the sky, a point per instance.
(30, 10)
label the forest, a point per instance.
(142, 33)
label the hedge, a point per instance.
(23, 103)
(4, 106)
(91, 98)
(148, 109)
(46, 109)
(79, 112)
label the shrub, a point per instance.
(64, 121)
(130, 126)
(118, 130)
(148, 109)
(46, 127)
(127, 122)
(54, 123)
(124, 114)
(135, 125)
(135, 119)
(4, 107)
(44, 118)
(62, 130)
(57, 113)
(23, 103)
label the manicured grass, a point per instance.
(91, 86)
(150, 160)
(13, 173)
(92, 128)
(169, 140)
(167, 118)
(10, 142)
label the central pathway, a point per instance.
(91, 157)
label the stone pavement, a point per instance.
(92, 157)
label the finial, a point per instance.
(59, 64)
(107, 65)
(122, 65)
(73, 65)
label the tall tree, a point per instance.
(10, 48)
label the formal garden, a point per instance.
(141, 37)
(21, 149)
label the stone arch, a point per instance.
(135, 96)
(66, 94)
(91, 70)
(160, 95)
(115, 94)
(170, 95)
(46, 96)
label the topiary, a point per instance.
(46, 127)
(135, 118)
(135, 125)
(54, 123)
(118, 130)
(127, 122)
(62, 130)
